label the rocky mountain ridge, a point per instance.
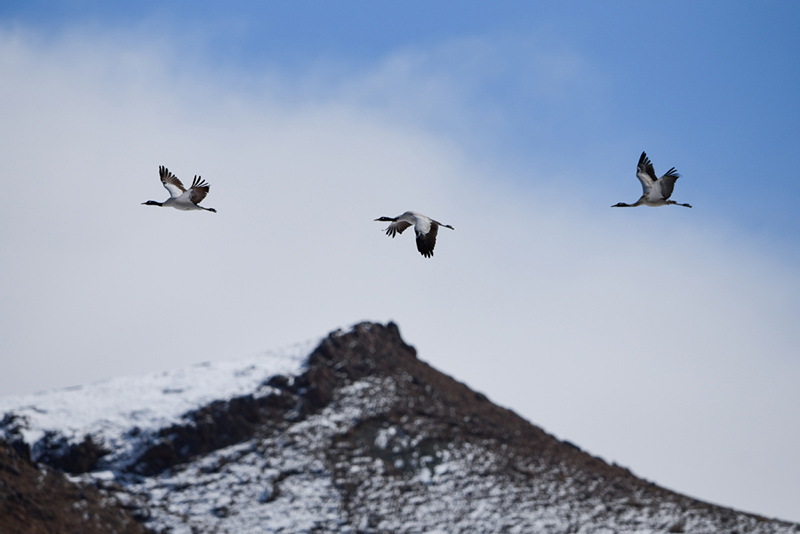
(364, 437)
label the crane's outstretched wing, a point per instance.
(668, 182)
(426, 241)
(199, 189)
(171, 182)
(645, 173)
(397, 227)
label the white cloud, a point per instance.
(645, 336)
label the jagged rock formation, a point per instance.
(368, 438)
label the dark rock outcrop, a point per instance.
(214, 426)
(75, 458)
(38, 499)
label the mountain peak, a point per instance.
(363, 436)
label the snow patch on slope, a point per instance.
(110, 409)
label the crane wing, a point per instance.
(426, 241)
(171, 182)
(397, 227)
(645, 173)
(199, 189)
(667, 182)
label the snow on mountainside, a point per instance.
(358, 436)
(109, 410)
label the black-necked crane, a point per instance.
(179, 197)
(425, 228)
(656, 191)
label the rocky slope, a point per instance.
(360, 437)
(39, 499)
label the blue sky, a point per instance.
(663, 339)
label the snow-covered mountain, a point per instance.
(355, 436)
